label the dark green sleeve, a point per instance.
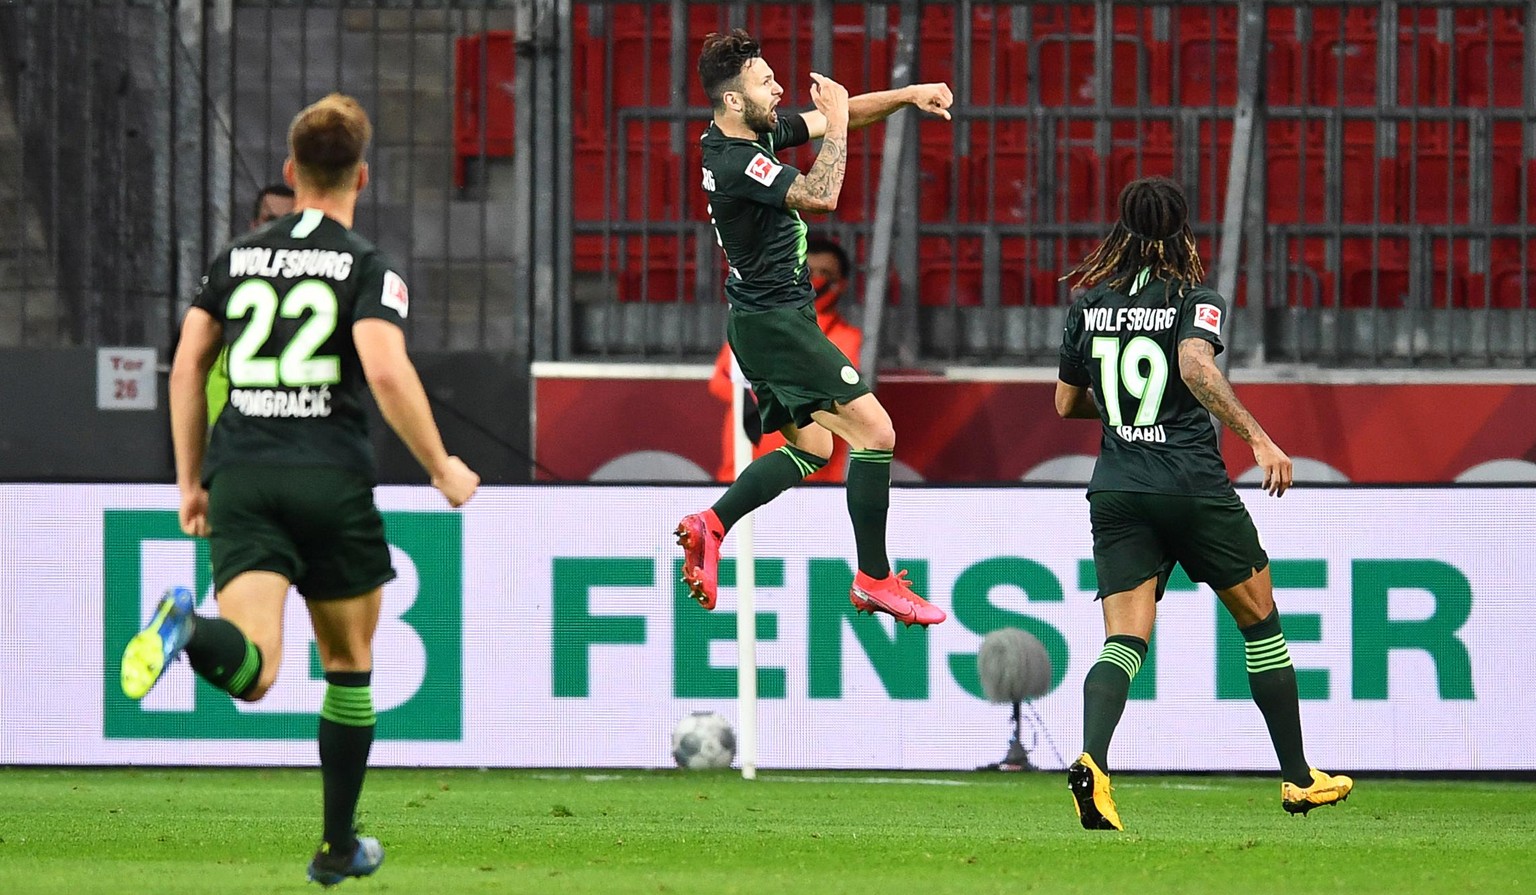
(211, 293)
(1202, 314)
(381, 292)
(1074, 368)
(791, 132)
(745, 171)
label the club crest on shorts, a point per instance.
(850, 375)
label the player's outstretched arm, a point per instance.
(403, 402)
(871, 108)
(201, 337)
(1197, 367)
(817, 189)
(1075, 402)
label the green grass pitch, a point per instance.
(455, 831)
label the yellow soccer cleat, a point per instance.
(1326, 789)
(1091, 795)
(157, 646)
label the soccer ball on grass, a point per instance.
(703, 740)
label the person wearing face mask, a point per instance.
(829, 269)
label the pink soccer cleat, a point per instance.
(700, 535)
(893, 595)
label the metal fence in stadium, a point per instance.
(535, 165)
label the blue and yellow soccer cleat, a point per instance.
(152, 649)
(1326, 789)
(327, 868)
(1091, 795)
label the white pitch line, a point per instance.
(769, 777)
(919, 781)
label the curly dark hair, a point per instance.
(721, 60)
(1152, 233)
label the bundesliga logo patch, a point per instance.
(395, 295)
(1208, 317)
(763, 170)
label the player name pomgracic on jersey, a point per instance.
(258, 261)
(302, 403)
(1121, 319)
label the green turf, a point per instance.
(236, 831)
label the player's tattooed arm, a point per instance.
(817, 189)
(1197, 367)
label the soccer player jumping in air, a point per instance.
(1139, 354)
(806, 388)
(313, 317)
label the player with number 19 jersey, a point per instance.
(1157, 436)
(287, 296)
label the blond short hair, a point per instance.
(327, 141)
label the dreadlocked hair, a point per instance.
(1152, 233)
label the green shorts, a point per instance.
(1139, 536)
(793, 367)
(315, 526)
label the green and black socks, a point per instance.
(346, 736)
(1105, 690)
(869, 501)
(1272, 679)
(222, 655)
(769, 476)
(869, 496)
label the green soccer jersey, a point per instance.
(287, 296)
(764, 242)
(1157, 437)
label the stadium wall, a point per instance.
(545, 627)
(604, 422)
(61, 424)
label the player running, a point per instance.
(806, 388)
(1139, 354)
(312, 315)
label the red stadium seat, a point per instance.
(1513, 286)
(1066, 74)
(1343, 58)
(1380, 284)
(1436, 187)
(1009, 185)
(631, 182)
(950, 273)
(660, 282)
(999, 66)
(961, 284)
(1207, 57)
(1298, 189)
(590, 254)
(1308, 281)
(660, 269)
(482, 98)
(1155, 156)
(1488, 67)
(1383, 281)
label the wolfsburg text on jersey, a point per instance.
(305, 403)
(264, 262)
(1121, 319)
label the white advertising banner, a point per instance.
(547, 627)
